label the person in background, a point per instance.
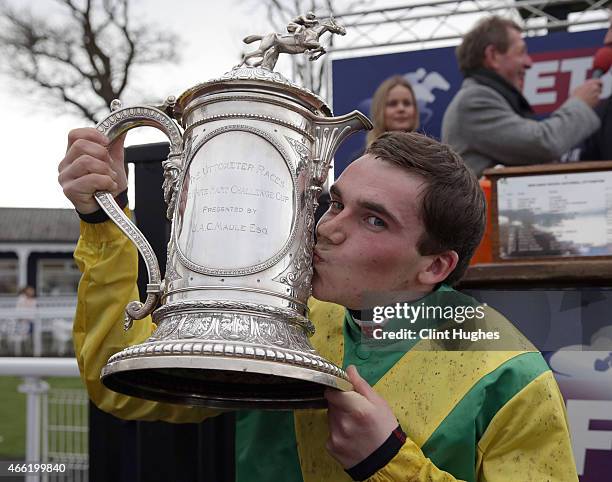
(394, 108)
(24, 327)
(489, 121)
(26, 297)
(598, 147)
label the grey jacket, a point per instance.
(482, 127)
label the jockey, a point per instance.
(300, 23)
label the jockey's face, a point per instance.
(367, 240)
(400, 111)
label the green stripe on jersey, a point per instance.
(460, 431)
(374, 358)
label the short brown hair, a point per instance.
(379, 102)
(452, 208)
(488, 31)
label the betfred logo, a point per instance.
(555, 75)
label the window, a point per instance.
(8, 277)
(57, 277)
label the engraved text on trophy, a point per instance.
(237, 203)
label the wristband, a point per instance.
(380, 457)
(100, 216)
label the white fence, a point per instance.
(56, 419)
(44, 330)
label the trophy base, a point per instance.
(224, 376)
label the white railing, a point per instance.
(42, 330)
(56, 420)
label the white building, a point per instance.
(36, 247)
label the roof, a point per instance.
(38, 225)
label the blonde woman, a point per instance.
(394, 108)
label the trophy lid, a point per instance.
(245, 77)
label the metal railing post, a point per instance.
(33, 387)
(37, 334)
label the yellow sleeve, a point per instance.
(108, 262)
(528, 439)
(410, 464)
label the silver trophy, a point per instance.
(242, 181)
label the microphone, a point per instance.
(602, 61)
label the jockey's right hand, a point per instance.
(91, 164)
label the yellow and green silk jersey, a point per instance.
(471, 415)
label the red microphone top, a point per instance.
(602, 60)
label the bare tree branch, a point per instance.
(84, 57)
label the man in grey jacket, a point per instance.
(489, 121)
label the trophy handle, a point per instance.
(330, 132)
(118, 122)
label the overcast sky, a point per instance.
(34, 137)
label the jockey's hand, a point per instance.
(359, 421)
(91, 164)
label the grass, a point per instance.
(13, 414)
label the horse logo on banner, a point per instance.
(424, 84)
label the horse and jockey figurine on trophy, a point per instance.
(304, 33)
